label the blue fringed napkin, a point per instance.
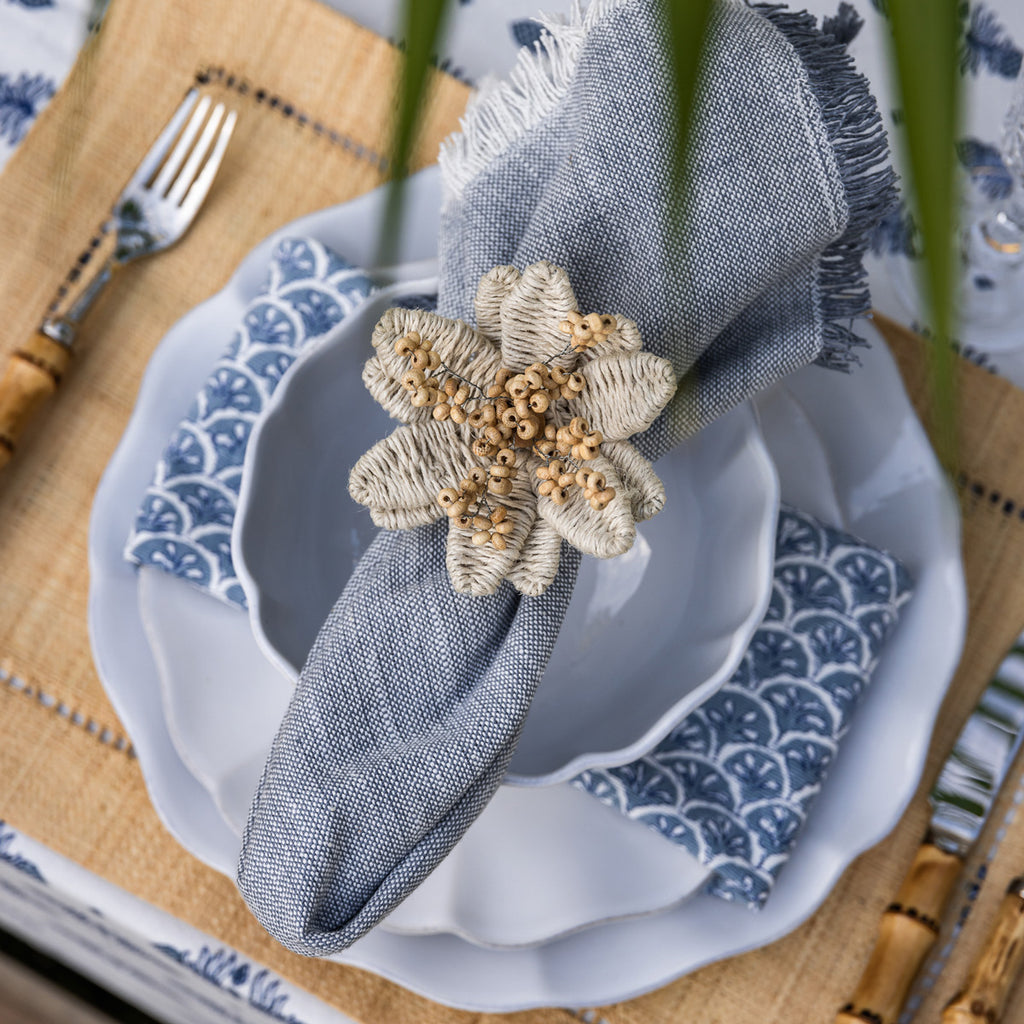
(396, 736)
(734, 781)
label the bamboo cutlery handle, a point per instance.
(907, 932)
(32, 375)
(988, 985)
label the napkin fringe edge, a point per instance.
(853, 124)
(502, 111)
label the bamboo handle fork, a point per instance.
(155, 209)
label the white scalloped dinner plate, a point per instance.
(539, 865)
(877, 478)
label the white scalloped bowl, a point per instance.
(647, 636)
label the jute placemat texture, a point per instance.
(314, 93)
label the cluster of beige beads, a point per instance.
(447, 396)
(515, 414)
(558, 480)
(588, 330)
(467, 505)
(518, 406)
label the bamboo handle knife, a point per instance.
(988, 985)
(907, 932)
(961, 799)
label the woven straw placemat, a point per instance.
(314, 93)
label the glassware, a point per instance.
(991, 280)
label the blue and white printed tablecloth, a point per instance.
(39, 40)
(153, 960)
(148, 958)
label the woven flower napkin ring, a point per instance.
(517, 430)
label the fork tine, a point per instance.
(170, 169)
(195, 158)
(159, 149)
(197, 193)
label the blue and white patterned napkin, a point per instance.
(184, 523)
(734, 781)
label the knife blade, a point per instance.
(961, 800)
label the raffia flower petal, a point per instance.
(464, 350)
(391, 396)
(493, 289)
(538, 561)
(646, 491)
(404, 518)
(400, 476)
(530, 318)
(625, 338)
(604, 533)
(479, 570)
(625, 393)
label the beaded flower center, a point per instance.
(514, 415)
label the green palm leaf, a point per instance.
(423, 24)
(926, 42)
(684, 28)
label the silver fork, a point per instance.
(155, 209)
(153, 213)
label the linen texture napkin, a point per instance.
(784, 184)
(411, 701)
(733, 783)
(183, 525)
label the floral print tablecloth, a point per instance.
(39, 40)
(152, 959)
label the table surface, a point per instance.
(69, 785)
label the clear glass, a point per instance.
(991, 284)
